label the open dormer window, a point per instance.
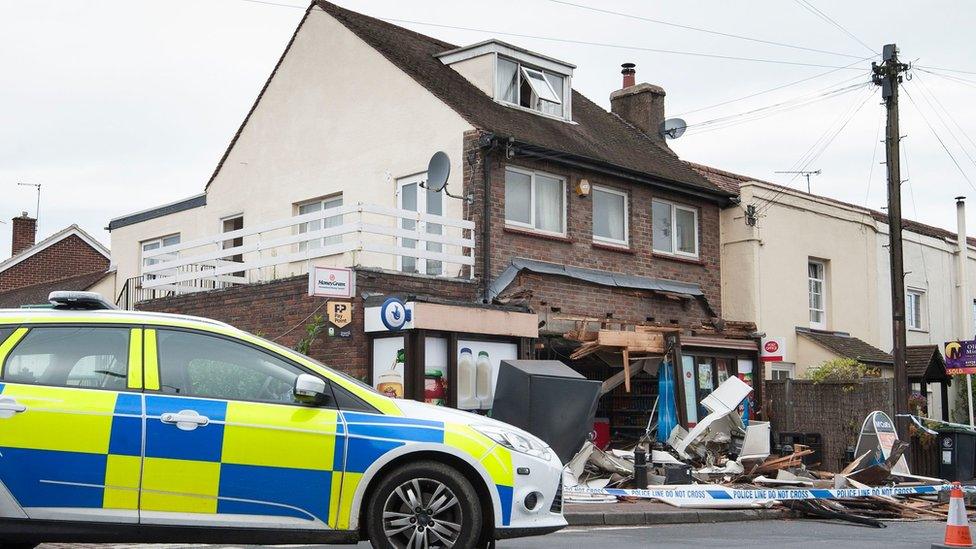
(529, 87)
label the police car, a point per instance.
(120, 426)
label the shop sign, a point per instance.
(773, 349)
(394, 314)
(960, 357)
(340, 313)
(332, 282)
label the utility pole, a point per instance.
(807, 174)
(888, 76)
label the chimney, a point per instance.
(24, 233)
(962, 283)
(641, 105)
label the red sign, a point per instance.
(772, 349)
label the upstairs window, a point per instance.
(529, 87)
(320, 224)
(535, 201)
(609, 216)
(817, 290)
(675, 229)
(913, 309)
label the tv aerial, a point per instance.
(673, 128)
(438, 171)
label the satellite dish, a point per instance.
(673, 128)
(438, 170)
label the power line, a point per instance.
(811, 156)
(763, 92)
(927, 91)
(580, 42)
(874, 157)
(947, 70)
(953, 78)
(941, 142)
(814, 10)
(699, 29)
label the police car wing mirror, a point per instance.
(309, 388)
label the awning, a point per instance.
(593, 276)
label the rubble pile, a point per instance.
(722, 452)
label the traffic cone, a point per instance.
(957, 523)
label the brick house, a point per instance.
(555, 212)
(70, 259)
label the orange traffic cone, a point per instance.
(957, 524)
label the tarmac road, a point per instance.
(727, 535)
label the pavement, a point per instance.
(734, 535)
(652, 513)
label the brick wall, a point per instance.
(578, 249)
(281, 309)
(23, 233)
(69, 257)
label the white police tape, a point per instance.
(696, 493)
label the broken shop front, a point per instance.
(441, 352)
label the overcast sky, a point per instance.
(119, 105)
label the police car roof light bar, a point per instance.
(79, 301)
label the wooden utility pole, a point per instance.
(888, 76)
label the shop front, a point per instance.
(707, 362)
(443, 353)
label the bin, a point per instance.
(957, 455)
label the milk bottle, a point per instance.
(483, 364)
(466, 383)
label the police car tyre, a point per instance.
(447, 512)
(17, 545)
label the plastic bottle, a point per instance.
(484, 392)
(466, 382)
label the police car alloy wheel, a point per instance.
(424, 505)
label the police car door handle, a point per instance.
(185, 420)
(9, 407)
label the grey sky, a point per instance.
(115, 106)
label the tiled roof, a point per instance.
(37, 294)
(925, 361)
(597, 134)
(847, 346)
(52, 240)
(732, 181)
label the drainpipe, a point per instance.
(962, 287)
(487, 145)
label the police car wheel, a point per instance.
(17, 545)
(424, 504)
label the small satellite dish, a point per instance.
(438, 170)
(673, 128)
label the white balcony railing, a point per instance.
(363, 235)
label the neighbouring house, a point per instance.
(813, 272)
(70, 259)
(555, 214)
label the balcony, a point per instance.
(356, 235)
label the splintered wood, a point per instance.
(642, 342)
(786, 462)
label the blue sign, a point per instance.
(394, 314)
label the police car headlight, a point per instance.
(515, 441)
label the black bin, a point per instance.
(957, 455)
(813, 440)
(548, 399)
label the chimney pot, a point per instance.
(630, 74)
(24, 233)
(642, 106)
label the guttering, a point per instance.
(722, 198)
(487, 143)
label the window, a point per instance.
(200, 365)
(816, 272)
(422, 200)
(535, 200)
(913, 309)
(319, 224)
(781, 370)
(675, 229)
(229, 224)
(610, 223)
(95, 358)
(155, 244)
(529, 87)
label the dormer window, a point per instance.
(529, 87)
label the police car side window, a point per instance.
(194, 364)
(87, 357)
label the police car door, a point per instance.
(226, 442)
(70, 422)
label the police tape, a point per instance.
(697, 493)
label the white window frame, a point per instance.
(911, 322)
(605, 240)
(822, 325)
(304, 245)
(674, 230)
(158, 240)
(530, 226)
(782, 367)
(566, 102)
(419, 179)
